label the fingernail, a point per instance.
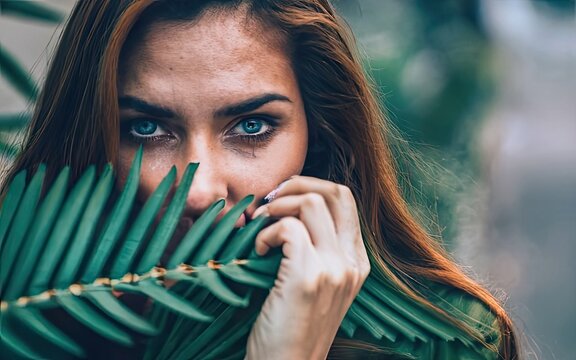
(272, 194)
(262, 210)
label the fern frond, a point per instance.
(78, 250)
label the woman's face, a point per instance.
(219, 91)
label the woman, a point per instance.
(257, 91)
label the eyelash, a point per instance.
(126, 130)
(257, 139)
(263, 138)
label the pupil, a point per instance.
(252, 127)
(145, 127)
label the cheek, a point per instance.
(269, 167)
(152, 171)
(125, 158)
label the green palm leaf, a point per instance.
(10, 204)
(115, 223)
(62, 231)
(8, 150)
(93, 319)
(13, 121)
(13, 71)
(36, 239)
(165, 229)
(167, 299)
(141, 226)
(76, 251)
(110, 305)
(17, 75)
(30, 10)
(14, 343)
(86, 229)
(32, 319)
(195, 235)
(21, 222)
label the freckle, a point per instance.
(170, 68)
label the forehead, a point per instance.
(224, 47)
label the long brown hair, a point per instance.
(76, 123)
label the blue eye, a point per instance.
(252, 126)
(144, 127)
(254, 130)
(141, 130)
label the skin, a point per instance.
(189, 73)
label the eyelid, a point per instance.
(267, 119)
(127, 124)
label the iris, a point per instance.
(145, 127)
(252, 126)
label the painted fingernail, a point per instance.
(272, 194)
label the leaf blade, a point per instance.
(10, 203)
(411, 311)
(36, 239)
(167, 299)
(217, 238)
(62, 231)
(243, 239)
(266, 264)
(212, 281)
(22, 219)
(15, 121)
(390, 317)
(140, 226)
(72, 261)
(17, 75)
(32, 10)
(116, 221)
(93, 320)
(44, 328)
(167, 225)
(110, 305)
(16, 344)
(242, 276)
(192, 239)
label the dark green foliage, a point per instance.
(32, 10)
(13, 71)
(81, 245)
(17, 75)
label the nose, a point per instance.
(208, 186)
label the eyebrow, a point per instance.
(131, 102)
(250, 104)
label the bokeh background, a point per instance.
(484, 91)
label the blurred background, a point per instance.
(485, 93)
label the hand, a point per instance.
(323, 268)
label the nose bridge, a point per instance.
(208, 184)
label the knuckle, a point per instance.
(309, 287)
(314, 200)
(289, 222)
(336, 279)
(335, 190)
(346, 193)
(290, 228)
(287, 226)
